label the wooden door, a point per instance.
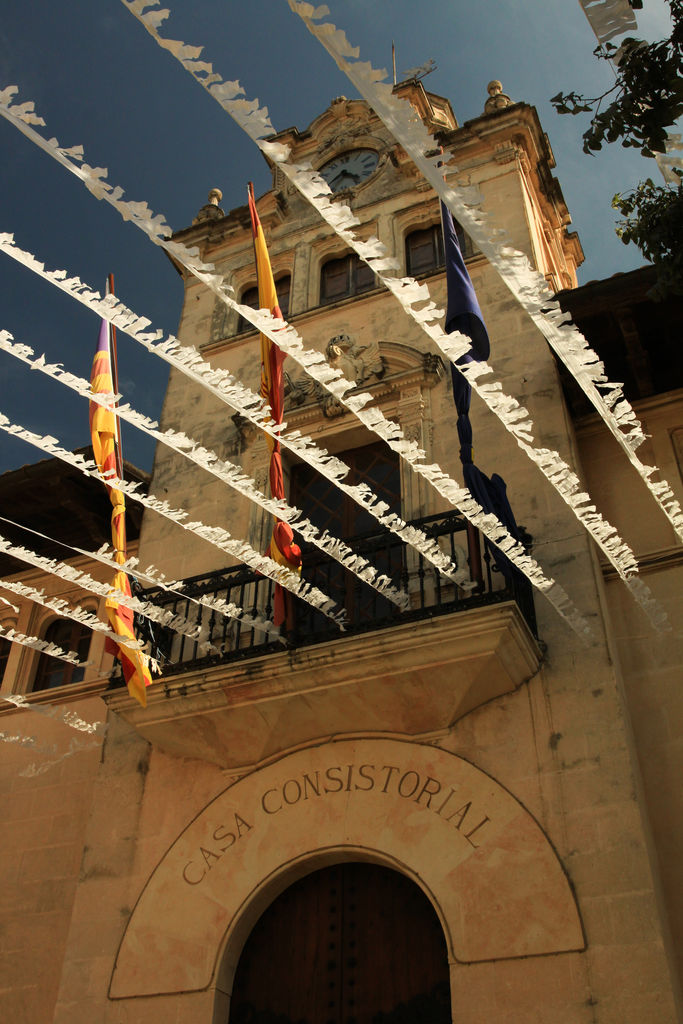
(350, 944)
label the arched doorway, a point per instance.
(354, 943)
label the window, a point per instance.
(343, 277)
(250, 298)
(424, 249)
(70, 636)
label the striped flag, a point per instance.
(104, 432)
(282, 547)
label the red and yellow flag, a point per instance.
(103, 429)
(282, 547)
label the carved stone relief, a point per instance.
(301, 390)
(219, 321)
(245, 431)
(346, 130)
(498, 100)
(358, 363)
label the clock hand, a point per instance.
(337, 181)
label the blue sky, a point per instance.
(98, 79)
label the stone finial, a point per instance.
(497, 100)
(211, 210)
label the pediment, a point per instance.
(378, 367)
(345, 124)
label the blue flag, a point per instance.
(464, 315)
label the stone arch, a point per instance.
(346, 900)
(287, 875)
(484, 862)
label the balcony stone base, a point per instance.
(413, 679)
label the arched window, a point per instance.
(70, 636)
(353, 942)
(343, 277)
(250, 298)
(424, 249)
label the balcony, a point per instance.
(411, 672)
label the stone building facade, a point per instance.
(460, 812)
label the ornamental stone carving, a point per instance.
(219, 321)
(300, 390)
(358, 363)
(497, 100)
(245, 431)
(433, 364)
(211, 210)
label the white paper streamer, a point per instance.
(67, 611)
(526, 284)
(225, 471)
(284, 335)
(215, 535)
(39, 645)
(75, 746)
(605, 15)
(154, 578)
(70, 718)
(31, 770)
(233, 393)
(167, 619)
(672, 160)
(609, 18)
(411, 294)
(28, 741)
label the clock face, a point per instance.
(350, 169)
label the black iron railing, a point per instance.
(430, 595)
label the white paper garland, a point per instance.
(232, 392)
(224, 386)
(70, 718)
(23, 116)
(410, 294)
(609, 18)
(215, 535)
(223, 470)
(75, 746)
(288, 340)
(526, 284)
(37, 644)
(62, 570)
(68, 611)
(152, 577)
(30, 771)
